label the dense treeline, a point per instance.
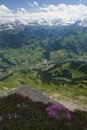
(72, 73)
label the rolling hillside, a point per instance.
(31, 46)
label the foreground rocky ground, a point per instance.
(37, 95)
(29, 109)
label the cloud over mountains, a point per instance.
(47, 14)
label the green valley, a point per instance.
(52, 59)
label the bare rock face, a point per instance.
(32, 93)
(38, 96)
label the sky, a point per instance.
(30, 4)
(47, 11)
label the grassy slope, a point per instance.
(50, 83)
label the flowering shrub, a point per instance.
(58, 111)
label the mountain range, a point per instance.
(7, 24)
